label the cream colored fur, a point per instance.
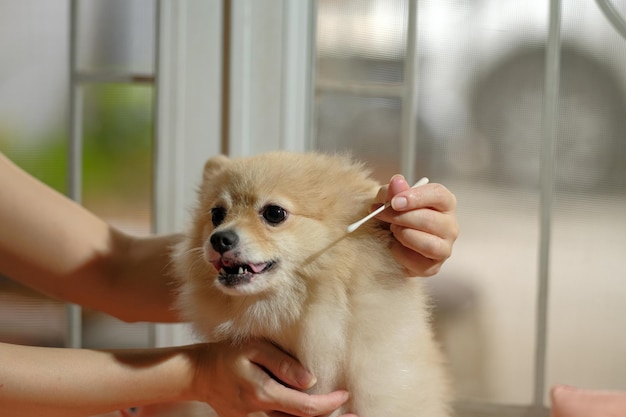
(336, 301)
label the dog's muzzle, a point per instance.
(232, 270)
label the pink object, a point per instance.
(568, 401)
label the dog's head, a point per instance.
(263, 220)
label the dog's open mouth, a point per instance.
(232, 274)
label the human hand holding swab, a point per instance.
(351, 228)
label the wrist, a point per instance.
(195, 386)
(159, 375)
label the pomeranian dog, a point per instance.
(268, 256)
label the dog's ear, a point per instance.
(214, 165)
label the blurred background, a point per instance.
(479, 84)
(117, 137)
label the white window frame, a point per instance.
(187, 116)
(200, 112)
(270, 75)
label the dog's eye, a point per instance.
(274, 214)
(217, 215)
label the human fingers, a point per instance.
(427, 223)
(423, 221)
(405, 198)
(443, 225)
(278, 414)
(421, 254)
(433, 195)
(434, 242)
(281, 365)
(284, 401)
(426, 233)
(248, 385)
(396, 185)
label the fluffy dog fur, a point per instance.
(268, 256)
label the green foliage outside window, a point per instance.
(117, 145)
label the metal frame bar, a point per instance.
(548, 145)
(410, 98)
(297, 60)
(188, 116)
(168, 154)
(613, 16)
(385, 90)
(240, 78)
(74, 335)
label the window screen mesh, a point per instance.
(589, 229)
(481, 81)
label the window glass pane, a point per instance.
(481, 86)
(588, 293)
(361, 40)
(374, 121)
(117, 154)
(369, 128)
(479, 132)
(29, 318)
(32, 134)
(482, 92)
(117, 160)
(116, 35)
(117, 175)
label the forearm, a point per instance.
(57, 247)
(52, 382)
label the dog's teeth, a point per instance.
(240, 270)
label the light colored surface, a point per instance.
(492, 282)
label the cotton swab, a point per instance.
(351, 228)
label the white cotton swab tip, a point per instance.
(351, 228)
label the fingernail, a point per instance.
(307, 380)
(346, 396)
(399, 203)
(397, 177)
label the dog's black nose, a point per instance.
(224, 241)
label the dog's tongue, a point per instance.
(256, 268)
